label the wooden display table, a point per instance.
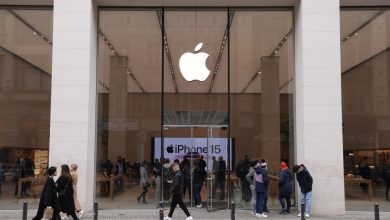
(111, 180)
(29, 179)
(353, 180)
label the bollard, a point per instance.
(25, 210)
(95, 210)
(233, 211)
(376, 210)
(303, 208)
(161, 211)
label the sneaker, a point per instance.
(283, 212)
(264, 215)
(199, 206)
(299, 215)
(80, 214)
(257, 215)
(307, 215)
(266, 210)
(167, 218)
(189, 218)
(253, 213)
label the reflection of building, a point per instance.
(106, 87)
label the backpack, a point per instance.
(258, 177)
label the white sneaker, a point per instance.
(299, 215)
(189, 218)
(307, 215)
(199, 206)
(264, 215)
(80, 213)
(258, 215)
(167, 218)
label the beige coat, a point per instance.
(76, 200)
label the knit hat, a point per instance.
(283, 165)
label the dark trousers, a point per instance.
(281, 200)
(219, 182)
(246, 191)
(143, 193)
(387, 189)
(187, 188)
(197, 188)
(265, 206)
(260, 196)
(178, 199)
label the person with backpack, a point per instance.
(305, 181)
(177, 193)
(261, 188)
(250, 179)
(285, 188)
(386, 178)
(220, 177)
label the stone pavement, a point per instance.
(197, 214)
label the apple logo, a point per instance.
(193, 65)
(170, 149)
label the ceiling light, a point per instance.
(35, 33)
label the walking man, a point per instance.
(305, 182)
(177, 193)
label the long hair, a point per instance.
(65, 172)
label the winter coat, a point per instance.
(48, 198)
(67, 201)
(177, 183)
(221, 171)
(199, 175)
(261, 186)
(305, 181)
(285, 187)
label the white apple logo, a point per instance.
(193, 65)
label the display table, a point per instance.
(355, 180)
(111, 180)
(29, 179)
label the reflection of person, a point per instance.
(285, 188)
(64, 183)
(199, 175)
(49, 196)
(386, 178)
(364, 170)
(75, 177)
(144, 182)
(220, 176)
(177, 192)
(305, 181)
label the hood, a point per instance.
(258, 170)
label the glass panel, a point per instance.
(261, 123)
(25, 86)
(365, 62)
(129, 104)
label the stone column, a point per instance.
(117, 110)
(270, 112)
(318, 109)
(73, 94)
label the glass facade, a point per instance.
(153, 111)
(365, 40)
(25, 86)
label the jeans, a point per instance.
(306, 199)
(265, 207)
(197, 188)
(282, 203)
(260, 196)
(253, 201)
(221, 184)
(178, 199)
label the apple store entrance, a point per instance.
(208, 88)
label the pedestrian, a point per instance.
(65, 192)
(49, 197)
(144, 182)
(157, 174)
(261, 187)
(220, 177)
(199, 175)
(386, 178)
(75, 177)
(167, 176)
(305, 181)
(177, 192)
(185, 167)
(264, 165)
(250, 179)
(285, 188)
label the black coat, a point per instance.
(177, 183)
(48, 198)
(305, 181)
(285, 187)
(66, 202)
(199, 175)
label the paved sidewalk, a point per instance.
(197, 214)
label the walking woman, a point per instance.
(285, 188)
(49, 196)
(65, 192)
(75, 177)
(144, 181)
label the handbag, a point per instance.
(48, 213)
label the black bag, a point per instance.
(62, 192)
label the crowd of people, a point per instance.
(60, 196)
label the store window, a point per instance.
(25, 85)
(365, 58)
